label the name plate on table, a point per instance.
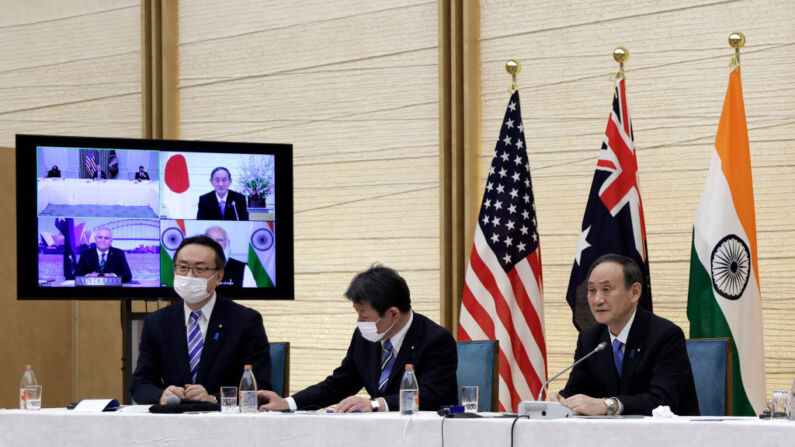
(93, 281)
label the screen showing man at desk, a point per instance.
(105, 220)
(241, 186)
(102, 260)
(71, 252)
(648, 364)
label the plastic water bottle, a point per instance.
(248, 391)
(28, 381)
(409, 392)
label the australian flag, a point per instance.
(613, 221)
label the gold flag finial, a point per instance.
(620, 55)
(737, 41)
(513, 67)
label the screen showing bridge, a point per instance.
(102, 218)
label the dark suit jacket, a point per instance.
(210, 210)
(142, 175)
(235, 337)
(233, 273)
(116, 263)
(656, 369)
(428, 346)
(101, 174)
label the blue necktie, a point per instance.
(102, 263)
(387, 360)
(222, 204)
(618, 355)
(195, 343)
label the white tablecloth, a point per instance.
(99, 192)
(67, 428)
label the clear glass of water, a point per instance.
(779, 403)
(229, 400)
(32, 397)
(469, 398)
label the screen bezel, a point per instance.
(27, 217)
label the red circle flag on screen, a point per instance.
(177, 174)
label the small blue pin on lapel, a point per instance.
(216, 336)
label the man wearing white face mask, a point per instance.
(389, 335)
(192, 348)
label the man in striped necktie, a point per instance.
(192, 348)
(389, 336)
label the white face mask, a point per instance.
(370, 331)
(192, 289)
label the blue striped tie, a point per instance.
(195, 343)
(387, 360)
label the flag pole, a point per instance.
(621, 55)
(736, 41)
(513, 67)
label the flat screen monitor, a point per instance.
(101, 218)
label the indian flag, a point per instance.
(262, 253)
(724, 299)
(172, 232)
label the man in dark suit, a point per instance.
(103, 260)
(647, 365)
(236, 273)
(141, 174)
(222, 203)
(192, 348)
(391, 335)
(54, 172)
(99, 173)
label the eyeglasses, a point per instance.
(199, 270)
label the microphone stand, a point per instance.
(538, 409)
(237, 216)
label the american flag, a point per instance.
(91, 164)
(613, 220)
(503, 291)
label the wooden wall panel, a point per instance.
(354, 87)
(677, 75)
(70, 68)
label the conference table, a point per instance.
(98, 192)
(134, 426)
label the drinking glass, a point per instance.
(779, 402)
(469, 398)
(229, 400)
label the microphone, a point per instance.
(539, 409)
(237, 216)
(173, 401)
(598, 348)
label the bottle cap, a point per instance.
(246, 366)
(28, 367)
(409, 366)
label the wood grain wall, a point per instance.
(354, 87)
(70, 68)
(677, 76)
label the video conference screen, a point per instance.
(101, 218)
